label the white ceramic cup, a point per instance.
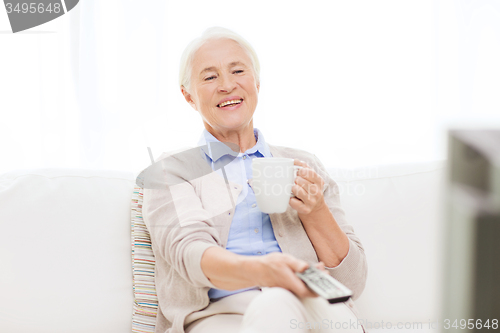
(273, 178)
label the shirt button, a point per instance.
(256, 230)
(259, 252)
(244, 157)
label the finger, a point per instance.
(295, 264)
(302, 194)
(305, 291)
(299, 288)
(309, 293)
(299, 191)
(306, 170)
(295, 284)
(320, 265)
(299, 162)
(298, 265)
(310, 188)
(310, 175)
(301, 181)
(302, 290)
(298, 205)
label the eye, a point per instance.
(238, 71)
(210, 78)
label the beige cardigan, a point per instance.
(186, 219)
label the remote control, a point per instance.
(324, 285)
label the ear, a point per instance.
(188, 98)
(258, 87)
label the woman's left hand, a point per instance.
(308, 190)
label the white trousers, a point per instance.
(273, 310)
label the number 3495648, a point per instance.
(33, 7)
(470, 324)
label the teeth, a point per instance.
(234, 101)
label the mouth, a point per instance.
(230, 103)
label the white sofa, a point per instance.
(65, 249)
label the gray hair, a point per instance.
(185, 70)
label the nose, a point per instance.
(227, 84)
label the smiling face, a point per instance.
(223, 87)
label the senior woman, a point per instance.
(231, 268)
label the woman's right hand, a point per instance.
(278, 269)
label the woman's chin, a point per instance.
(235, 124)
(234, 127)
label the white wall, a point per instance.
(356, 82)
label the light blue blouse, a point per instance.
(251, 232)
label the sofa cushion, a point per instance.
(65, 251)
(396, 210)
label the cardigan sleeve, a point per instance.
(353, 270)
(180, 228)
